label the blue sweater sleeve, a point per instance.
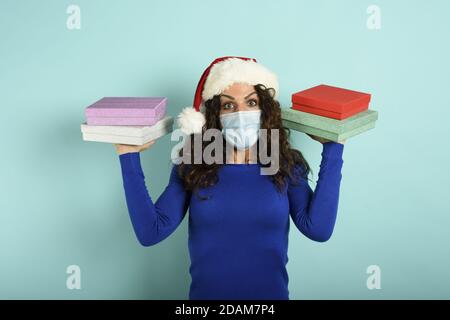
(152, 221)
(314, 213)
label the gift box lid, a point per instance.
(126, 107)
(331, 98)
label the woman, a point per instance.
(238, 217)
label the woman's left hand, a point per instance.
(323, 140)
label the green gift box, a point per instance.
(328, 128)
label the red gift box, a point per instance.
(331, 102)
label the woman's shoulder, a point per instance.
(299, 171)
(178, 171)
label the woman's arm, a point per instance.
(152, 222)
(314, 213)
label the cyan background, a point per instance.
(62, 199)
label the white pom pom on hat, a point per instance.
(220, 74)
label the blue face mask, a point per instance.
(241, 128)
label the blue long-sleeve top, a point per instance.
(238, 238)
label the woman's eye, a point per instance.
(253, 103)
(228, 105)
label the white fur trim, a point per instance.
(233, 70)
(190, 120)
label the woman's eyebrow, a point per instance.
(232, 98)
(250, 94)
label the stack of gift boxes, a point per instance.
(124, 120)
(330, 112)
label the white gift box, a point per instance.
(133, 135)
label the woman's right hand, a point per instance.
(128, 148)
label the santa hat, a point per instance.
(222, 73)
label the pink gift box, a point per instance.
(140, 111)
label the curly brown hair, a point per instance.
(196, 176)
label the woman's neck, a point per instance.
(245, 156)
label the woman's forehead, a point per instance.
(238, 90)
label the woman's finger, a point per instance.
(147, 145)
